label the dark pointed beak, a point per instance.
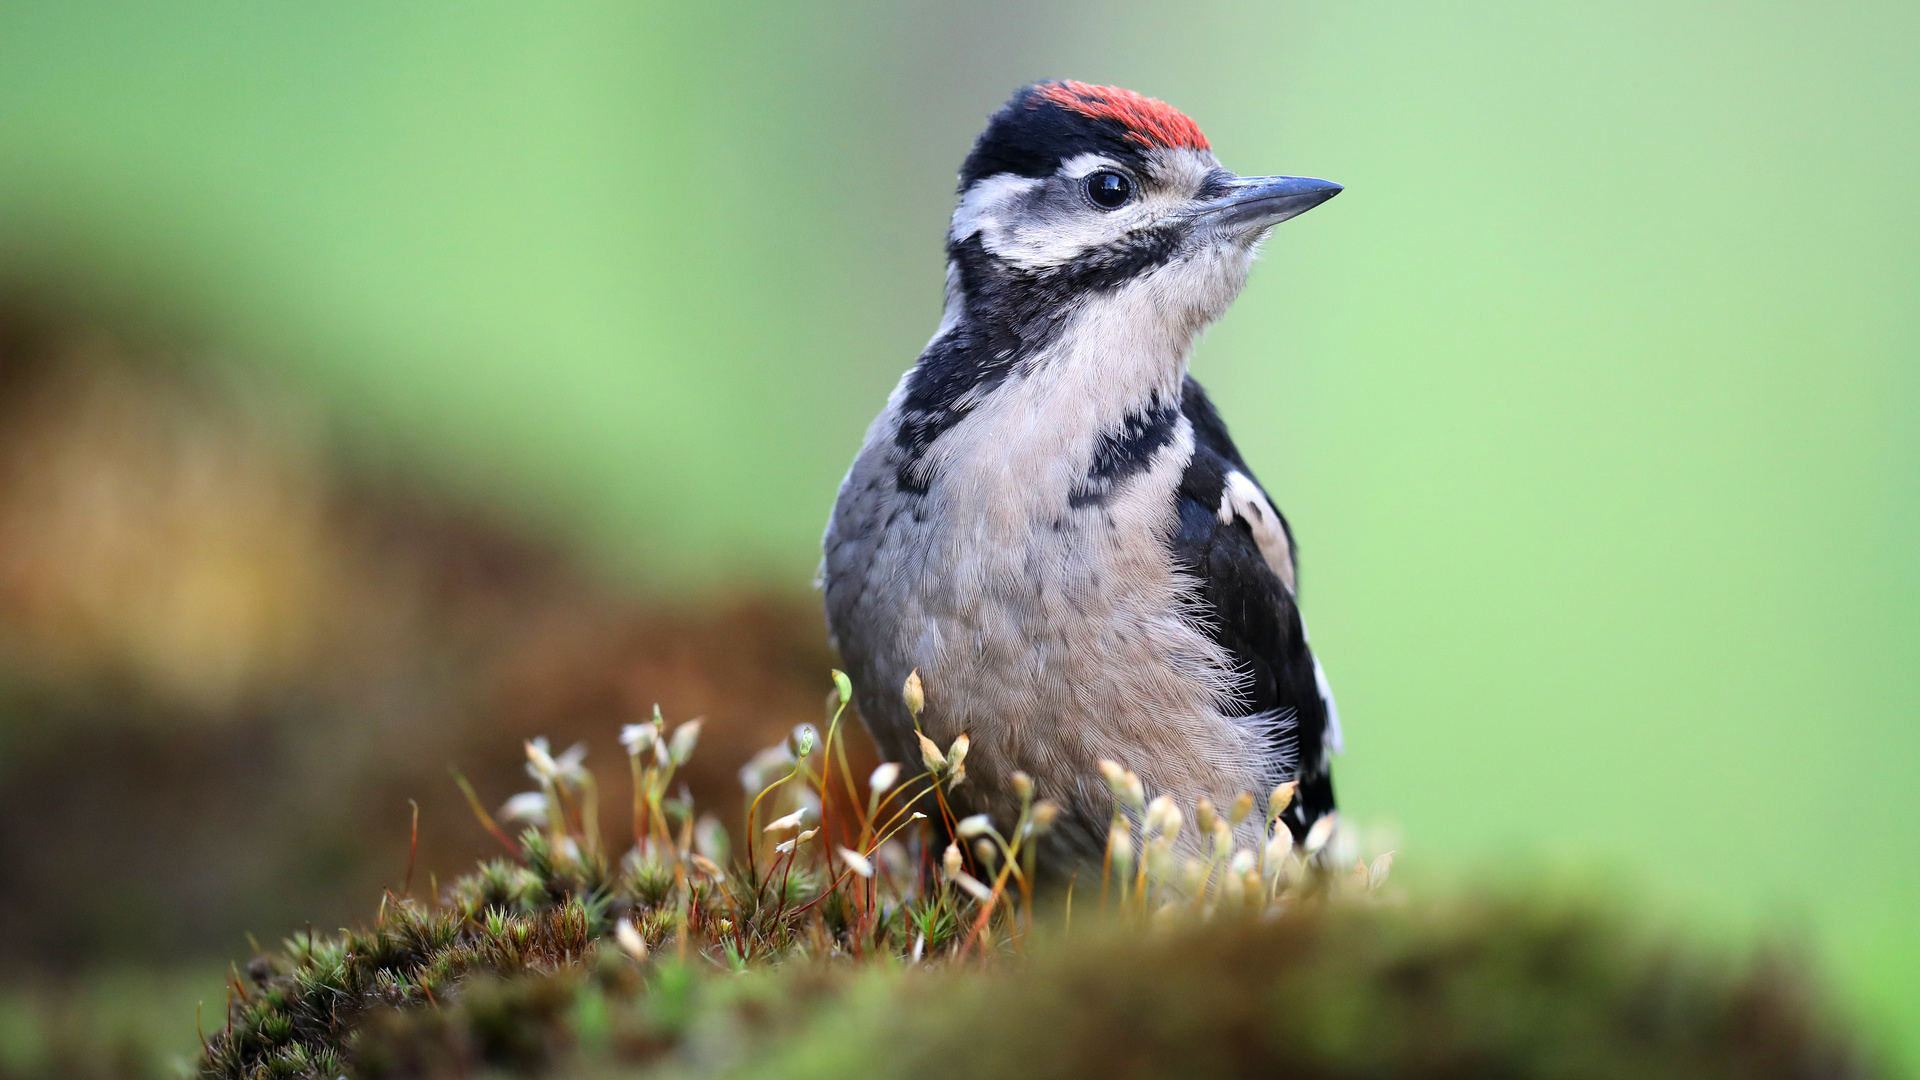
(1257, 202)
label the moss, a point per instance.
(792, 964)
(297, 1011)
(1510, 987)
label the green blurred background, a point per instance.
(1592, 401)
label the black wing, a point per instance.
(1252, 611)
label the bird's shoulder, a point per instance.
(1218, 479)
(1238, 551)
(1243, 583)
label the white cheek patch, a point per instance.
(988, 202)
(1011, 224)
(1242, 498)
(1035, 233)
(1036, 236)
(1056, 241)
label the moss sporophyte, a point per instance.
(718, 954)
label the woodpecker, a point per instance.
(1049, 521)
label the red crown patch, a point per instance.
(1148, 121)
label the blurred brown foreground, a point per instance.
(227, 661)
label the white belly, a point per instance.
(1054, 636)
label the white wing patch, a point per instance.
(1336, 742)
(1242, 498)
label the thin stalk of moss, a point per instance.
(987, 908)
(1106, 870)
(753, 818)
(838, 750)
(486, 820)
(590, 815)
(682, 915)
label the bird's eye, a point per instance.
(1109, 190)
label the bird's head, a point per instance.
(1075, 191)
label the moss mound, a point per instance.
(859, 947)
(1509, 987)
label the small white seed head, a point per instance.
(1022, 785)
(540, 764)
(856, 862)
(973, 825)
(528, 806)
(1243, 861)
(1120, 843)
(1378, 871)
(1281, 798)
(685, 738)
(1321, 832)
(914, 694)
(1156, 817)
(790, 821)
(1045, 813)
(1170, 824)
(630, 940)
(930, 755)
(1204, 816)
(1279, 846)
(974, 887)
(637, 738)
(804, 738)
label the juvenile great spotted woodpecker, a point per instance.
(1049, 522)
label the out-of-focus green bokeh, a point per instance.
(1592, 401)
